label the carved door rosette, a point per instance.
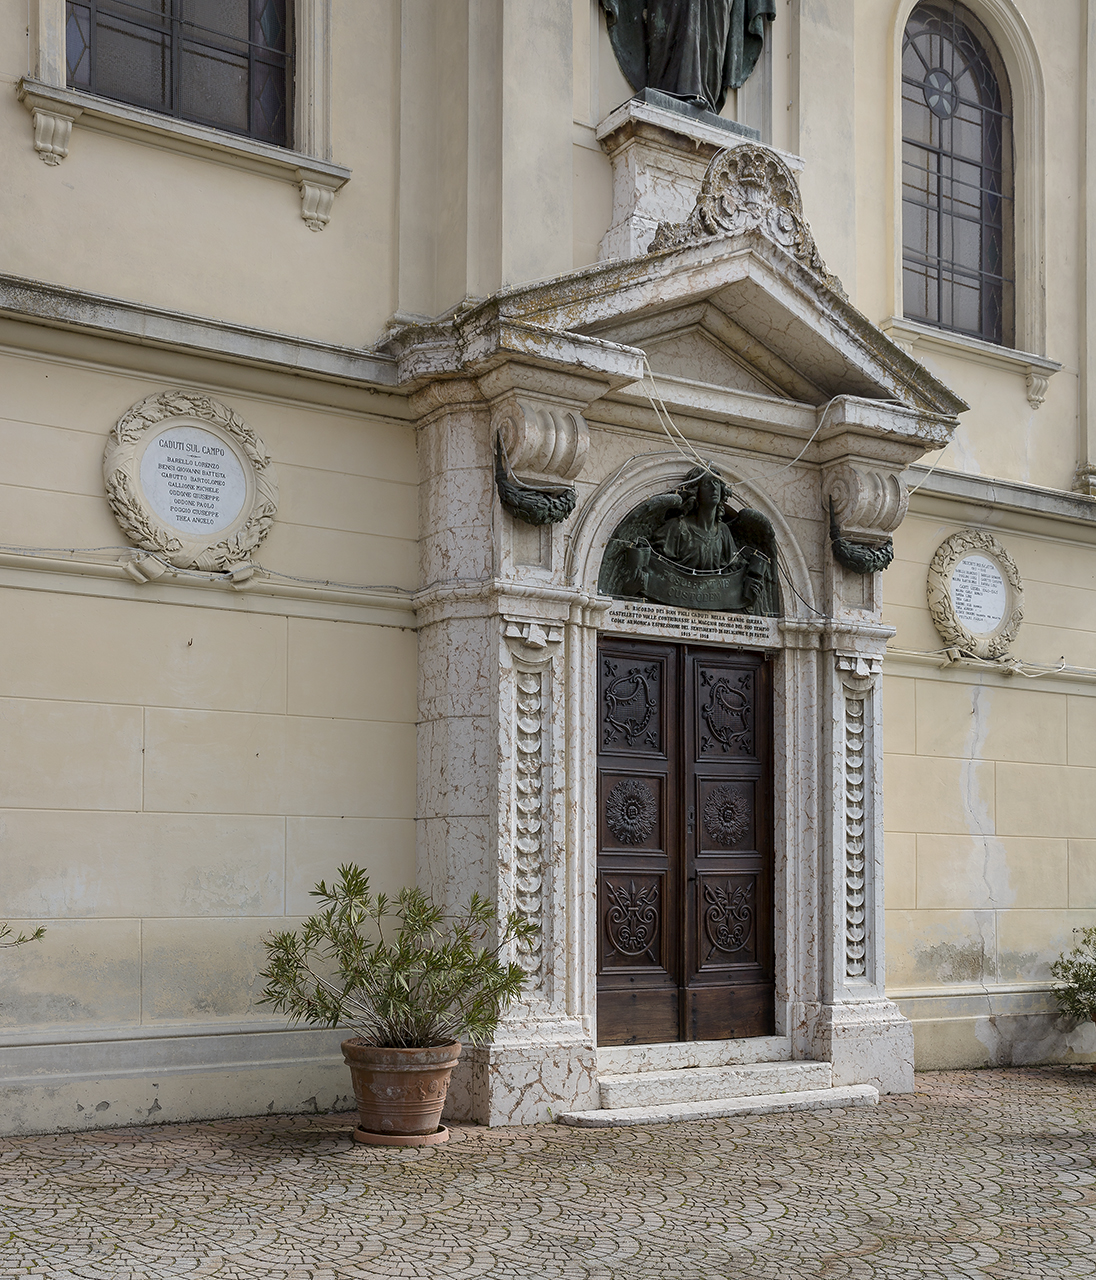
(189, 481)
(533, 646)
(975, 594)
(858, 676)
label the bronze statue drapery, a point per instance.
(693, 49)
(689, 548)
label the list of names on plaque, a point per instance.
(193, 480)
(979, 594)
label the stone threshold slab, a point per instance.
(685, 1054)
(762, 1104)
(702, 1084)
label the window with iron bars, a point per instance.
(225, 63)
(957, 171)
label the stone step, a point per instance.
(699, 1084)
(851, 1095)
(617, 1060)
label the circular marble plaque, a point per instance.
(193, 480)
(189, 481)
(975, 594)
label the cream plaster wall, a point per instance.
(129, 219)
(990, 808)
(177, 769)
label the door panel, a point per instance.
(639, 942)
(685, 897)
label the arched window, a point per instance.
(957, 190)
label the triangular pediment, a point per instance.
(740, 312)
(735, 297)
(700, 343)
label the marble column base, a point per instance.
(868, 1043)
(523, 1083)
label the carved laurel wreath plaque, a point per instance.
(975, 594)
(190, 481)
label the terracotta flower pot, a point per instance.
(400, 1092)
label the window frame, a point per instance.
(180, 33)
(55, 108)
(957, 206)
(1017, 51)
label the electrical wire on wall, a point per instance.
(130, 554)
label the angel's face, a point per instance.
(709, 491)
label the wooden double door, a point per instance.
(685, 843)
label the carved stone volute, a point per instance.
(543, 441)
(869, 502)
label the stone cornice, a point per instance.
(1003, 504)
(63, 308)
(553, 317)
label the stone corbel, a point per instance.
(544, 442)
(538, 443)
(1037, 383)
(869, 502)
(52, 128)
(317, 197)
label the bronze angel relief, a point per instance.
(689, 548)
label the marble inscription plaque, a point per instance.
(979, 594)
(193, 480)
(640, 618)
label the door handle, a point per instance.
(690, 820)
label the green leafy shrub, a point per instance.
(1076, 971)
(5, 932)
(430, 981)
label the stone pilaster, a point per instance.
(493, 754)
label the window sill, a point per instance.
(914, 338)
(55, 111)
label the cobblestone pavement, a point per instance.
(980, 1173)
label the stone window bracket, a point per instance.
(55, 108)
(920, 340)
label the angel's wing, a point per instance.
(752, 529)
(639, 525)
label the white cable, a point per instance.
(663, 416)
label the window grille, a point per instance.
(218, 62)
(957, 190)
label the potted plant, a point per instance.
(1075, 970)
(410, 994)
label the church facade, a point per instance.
(430, 448)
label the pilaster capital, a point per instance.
(534, 642)
(858, 672)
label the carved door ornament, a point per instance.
(689, 548)
(631, 811)
(189, 481)
(975, 594)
